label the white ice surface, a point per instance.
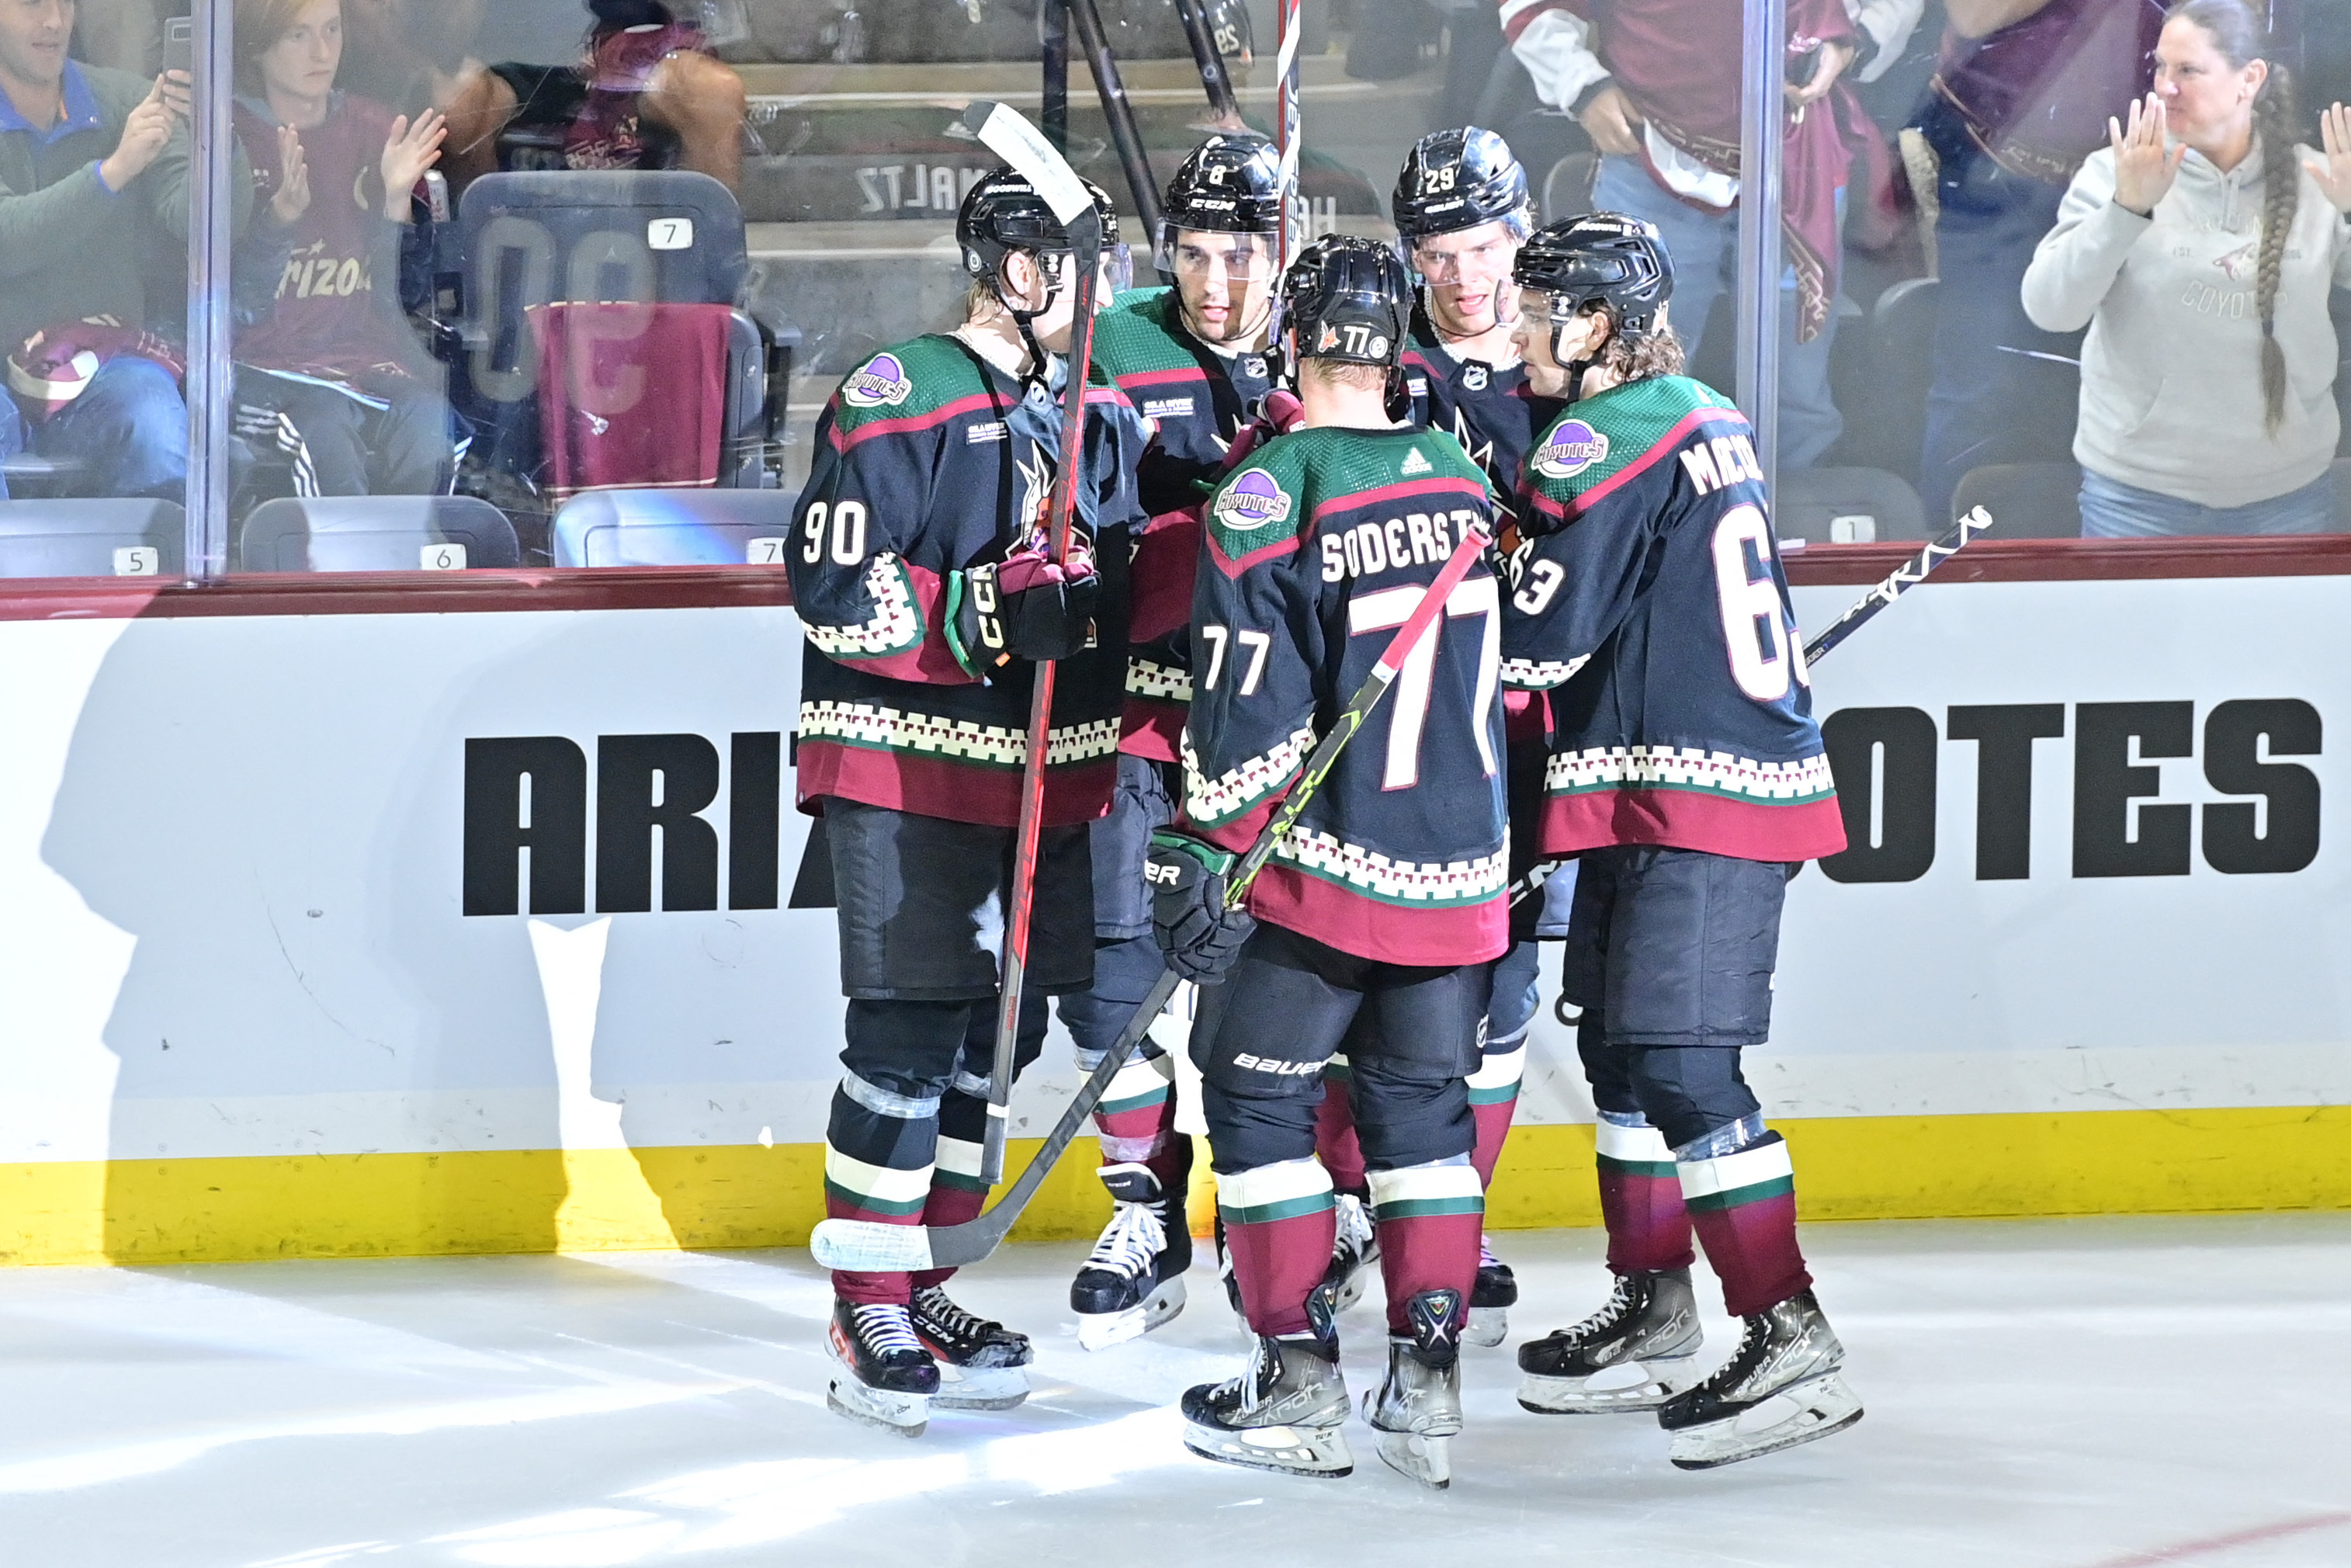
(2087, 1394)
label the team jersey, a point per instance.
(1648, 599)
(930, 460)
(1194, 399)
(1316, 553)
(1490, 411)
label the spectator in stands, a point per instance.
(2199, 247)
(2021, 96)
(327, 364)
(646, 94)
(1655, 85)
(93, 178)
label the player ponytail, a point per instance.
(2237, 32)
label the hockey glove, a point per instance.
(1199, 935)
(1280, 414)
(1023, 607)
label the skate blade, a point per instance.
(1489, 1326)
(1811, 1411)
(1424, 1458)
(1660, 1380)
(1319, 1451)
(900, 1415)
(1100, 1330)
(980, 1388)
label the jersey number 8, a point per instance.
(1765, 654)
(848, 533)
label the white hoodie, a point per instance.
(2171, 372)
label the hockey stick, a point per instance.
(870, 1246)
(1906, 577)
(1286, 142)
(1110, 88)
(1213, 80)
(1014, 140)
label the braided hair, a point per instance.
(2239, 32)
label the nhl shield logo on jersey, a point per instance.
(1251, 501)
(1571, 447)
(881, 381)
(1474, 377)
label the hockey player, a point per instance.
(1462, 209)
(1688, 772)
(920, 575)
(1193, 361)
(1373, 927)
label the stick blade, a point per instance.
(868, 1247)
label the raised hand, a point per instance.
(411, 149)
(2144, 168)
(2333, 171)
(145, 134)
(1835, 58)
(293, 197)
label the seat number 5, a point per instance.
(1765, 655)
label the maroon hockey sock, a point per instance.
(1641, 1201)
(1335, 1143)
(1429, 1217)
(1493, 1126)
(864, 1288)
(957, 1195)
(1744, 1207)
(1278, 1226)
(1136, 1121)
(1493, 1100)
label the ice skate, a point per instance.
(887, 1377)
(1490, 1300)
(1354, 1252)
(1780, 1389)
(1286, 1409)
(1418, 1410)
(1232, 1281)
(1634, 1353)
(983, 1365)
(1133, 1280)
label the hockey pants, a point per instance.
(1262, 1040)
(1670, 956)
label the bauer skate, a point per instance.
(1634, 1353)
(1133, 1280)
(1286, 1409)
(887, 1377)
(1418, 1410)
(1490, 1300)
(1354, 1250)
(1231, 1281)
(983, 1365)
(1780, 1389)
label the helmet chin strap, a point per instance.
(1039, 362)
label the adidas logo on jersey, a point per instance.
(1416, 463)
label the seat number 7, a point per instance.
(1416, 686)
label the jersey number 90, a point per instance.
(848, 542)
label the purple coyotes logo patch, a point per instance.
(1251, 501)
(1571, 447)
(882, 380)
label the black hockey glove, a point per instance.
(1023, 607)
(1199, 935)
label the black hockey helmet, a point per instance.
(1004, 213)
(1232, 183)
(1455, 180)
(1598, 258)
(1350, 299)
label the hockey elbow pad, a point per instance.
(1195, 927)
(1023, 607)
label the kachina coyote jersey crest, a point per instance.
(1400, 855)
(1648, 597)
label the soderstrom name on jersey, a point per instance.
(1681, 708)
(1401, 854)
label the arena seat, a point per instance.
(674, 528)
(612, 237)
(1567, 189)
(130, 538)
(1846, 505)
(376, 533)
(2026, 500)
